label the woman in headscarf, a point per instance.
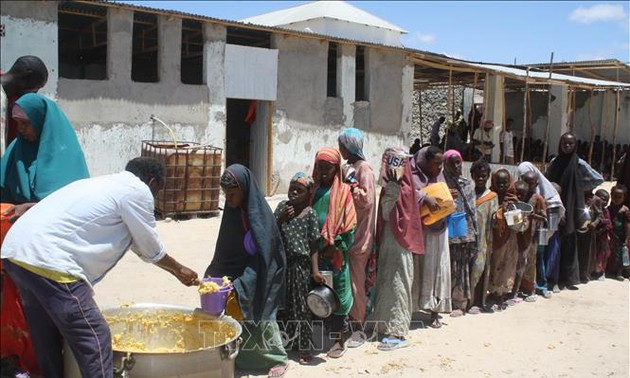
(547, 256)
(399, 236)
(574, 176)
(364, 198)
(300, 232)
(249, 250)
(432, 272)
(462, 248)
(332, 201)
(44, 157)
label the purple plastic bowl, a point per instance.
(214, 303)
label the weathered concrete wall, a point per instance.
(112, 117)
(31, 29)
(384, 77)
(305, 120)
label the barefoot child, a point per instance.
(620, 216)
(602, 237)
(525, 279)
(487, 206)
(504, 245)
(297, 222)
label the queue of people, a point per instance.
(387, 261)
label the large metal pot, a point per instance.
(198, 357)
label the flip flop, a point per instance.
(388, 344)
(278, 371)
(356, 339)
(474, 310)
(337, 351)
(435, 323)
(514, 301)
(457, 313)
(531, 298)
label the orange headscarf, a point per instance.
(342, 216)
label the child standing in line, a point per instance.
(525, 279)
(602, 237)
(297, 222)
(504, 244)
(620, 216)
(487, 205)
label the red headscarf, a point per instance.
(342, 216)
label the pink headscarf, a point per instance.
(450, 153)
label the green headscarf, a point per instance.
(32, 170)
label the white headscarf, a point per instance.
(545, 187)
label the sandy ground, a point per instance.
(582, 333)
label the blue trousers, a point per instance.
(56, 311)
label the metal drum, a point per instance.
(177, 342)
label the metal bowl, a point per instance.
(323, 301)
(524, 207)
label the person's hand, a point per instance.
(287, 213)
(454, 193)
(187, 276)
(16, 211)
(431, 202)
(392, 176)
(318, 278)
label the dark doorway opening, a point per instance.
(237, 133)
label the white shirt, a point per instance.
(481, 135)
(508, 143)
(84, 228)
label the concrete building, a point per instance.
(269, 95)
(112, 66)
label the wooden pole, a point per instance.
(525, 95)
(420, 114)
(472, 118)
(449, 104)
(612, 169)
(590, 120)
(604, 128)
(548, 112)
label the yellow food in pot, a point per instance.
(167, 332)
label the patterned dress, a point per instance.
(297, 235)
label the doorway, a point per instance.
(247, 138)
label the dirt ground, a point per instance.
(582, 333)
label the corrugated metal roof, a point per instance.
(583, 63)
(339, 10)
(545, 75)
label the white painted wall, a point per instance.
(26, 36)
